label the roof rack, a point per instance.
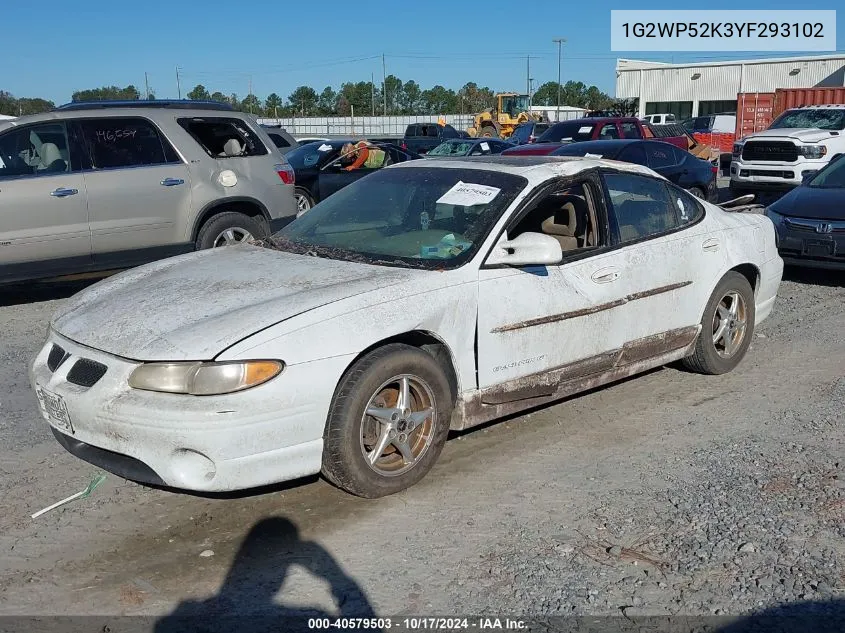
(150, 103)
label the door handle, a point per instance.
(172, 182)
(61, 192)
(711, 245)
(605, 275)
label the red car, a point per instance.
(588, 129)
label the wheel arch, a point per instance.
(751, 273)
(238, 204)
(426, 341)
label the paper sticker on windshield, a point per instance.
(586, 129)
(466, 194)
(588, 155)
(485, 147)
(683, 209)
(325, 147)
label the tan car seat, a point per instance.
(232, 147)
(562, 226)
(51, 158)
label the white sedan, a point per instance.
(425, 297)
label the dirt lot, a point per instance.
(667, 493)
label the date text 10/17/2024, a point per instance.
(418, 624)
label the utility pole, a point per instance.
(250, 94)
(178, 84)
(384, 82)
(560, 42)
(147, 85)
(528, 76)
(373, 91)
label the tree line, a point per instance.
(361, 98)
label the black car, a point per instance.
(319, 168)
(810, 220)
(682, 168)
(469, 147)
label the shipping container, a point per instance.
(753, 112)
(786, 98)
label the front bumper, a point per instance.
(810, 243)
(260, 436)
(766, 175)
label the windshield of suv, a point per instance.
(310, 155)
(415, 217)
(515, 105)
(820, 118)
(569, 131)
(832, 177)
(452, 149)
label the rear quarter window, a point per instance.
(224, 137)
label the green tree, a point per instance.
(251, 104)
(546, 95)
(199, 93)
(596, 99)
(472, 99)
(438, 100)
(272, 105)
(303, 100)
(327, 102)
(219, 96)
(410, 98)
(358, 96)
(129, 93)
(28, 105)
(8, 104)
(233, 100)
(393, 86)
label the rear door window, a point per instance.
(661, 155)
(634, 153)
(223, 137)
(608, 130)
(641, 205)
(630, 130)
(113, 143)
(278, 140)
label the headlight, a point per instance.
(812, 151)
(737, 149)
(204, 379)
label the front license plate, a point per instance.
(54, 409)
(819, 248)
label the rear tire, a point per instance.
(726, 327)
(377, 455)
(230, 227)
(304, 201)
(489, 132)
(698, 192)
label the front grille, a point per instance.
(781, 151)
(86, 372)
(769, 173)
(56, 357)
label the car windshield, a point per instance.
(702, 124)
(452, 149)
(309, 155)
(820, 118)
(570, 131)
(514, 105)
(832, 177)
(415, 217)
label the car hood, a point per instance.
(812, 203)
(194, 306)
(807, 135)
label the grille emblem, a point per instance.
(824, 227)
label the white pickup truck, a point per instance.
(798, 143)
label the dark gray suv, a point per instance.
(106, 185)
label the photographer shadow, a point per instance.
(246, 601)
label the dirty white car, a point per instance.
(422, 298)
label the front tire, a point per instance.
(726, 327)
(229, 228)
(489, 132)
(388, 422)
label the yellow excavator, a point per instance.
(510, 110)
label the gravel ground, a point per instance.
(669, 493)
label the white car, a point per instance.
(429, 295)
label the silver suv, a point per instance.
(105, 185)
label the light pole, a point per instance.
(560, 42)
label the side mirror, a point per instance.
(527, 249)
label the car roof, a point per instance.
(122, 112)
(598, 119)
(535, 169)
(610, 144)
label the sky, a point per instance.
(54, 47)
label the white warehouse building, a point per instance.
(698, 89)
